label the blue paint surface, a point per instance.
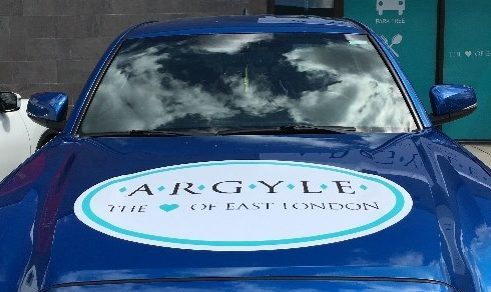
(52, 106)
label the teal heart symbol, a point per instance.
(169, 207)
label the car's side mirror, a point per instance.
(9, 101)
(451, 102)
(48, 109)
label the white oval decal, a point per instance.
(243, 205)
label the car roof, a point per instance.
(246, 24)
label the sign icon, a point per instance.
(397, 39)
(468, 53)
(394, 5)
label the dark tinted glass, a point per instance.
(229, 81)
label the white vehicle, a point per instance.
(19, 135)
(397, 5)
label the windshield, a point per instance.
(231, 81)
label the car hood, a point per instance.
(448, 190)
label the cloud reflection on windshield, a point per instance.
(229, 43)
(343, 85)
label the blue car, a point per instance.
(254, 153)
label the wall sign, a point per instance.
(243, 205)
(468, 61)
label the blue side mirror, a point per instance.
(48, 109)
(451, 102)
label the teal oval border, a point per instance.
(391, 214)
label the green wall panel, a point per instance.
(468, 61)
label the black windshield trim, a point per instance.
(76, 129)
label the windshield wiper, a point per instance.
(288, 129)
(141, 133)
